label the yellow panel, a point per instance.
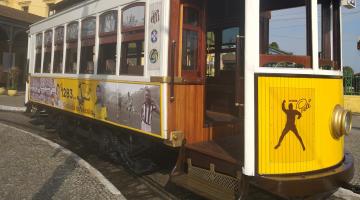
(298, 110)
(135, 106)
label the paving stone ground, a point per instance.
(15, 101)
(352, 144)
(32, 169)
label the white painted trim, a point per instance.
(79, 48)
(119, 38)
(97, 47)
(315, 35)
(252, 14)
(341, 40)
(165, 32)
(146, 40)
(52, 51)
(42, 51)
(98, 77)
(64, 49)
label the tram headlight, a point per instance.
(341, 122)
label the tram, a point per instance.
(210, 79)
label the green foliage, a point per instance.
(348, 71)
(274, 45)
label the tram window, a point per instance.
(88, 28)
(132, 47)
(38, 51)
(58, 50)
(108, 43)
(134, 54)
(285, 34)
(229, 37)
(210, 56)
(190, 50)
(191, 31)
(48, 51)
(327, 14)
(71, 49)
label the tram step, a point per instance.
(208, 183)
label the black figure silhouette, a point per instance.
(290, 124)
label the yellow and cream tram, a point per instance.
(206, 77)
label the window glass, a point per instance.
(108, 22)
(133, 58)
(48, 50)
(229, 37)
(38, 51)
(285, 41)
(108, 43)
(88, 27)
(133, 35)
(191, 16)
(133, 17)
(71, 48)
(72, 31)
(190, 50)
(58, 51)
(327, 58)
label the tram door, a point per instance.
(208, 56)
(224, 68)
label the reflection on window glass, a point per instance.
(58, 61)
(132, 58)
(228, 61)
(38, 53)
(288, 38)
(133, 17)
(72, 31)
(108, 22)
(210, 41)
(229, 37)
(210, 65)
(87, 59)
(88, 27)
(48, 49)
(58, 53)
(191, 16)
(107, 59)
(71, 60)
(189, 50)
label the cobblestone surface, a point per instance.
(31, 169)
(352, 144)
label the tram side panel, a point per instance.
(135, 106)
(294, 124)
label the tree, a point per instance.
(274, 45)
(348, 71)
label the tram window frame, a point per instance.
(58, 49)
(194, 72)
(38, 52)
(71, 57)
(48, 42)
(132, 35)
(107, 51)
(329, 51)
(285, 61)
(87, 52)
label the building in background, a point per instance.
(42, 8)
(14, 25)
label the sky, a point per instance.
(287, 28)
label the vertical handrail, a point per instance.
(172, 71)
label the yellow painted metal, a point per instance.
(313, 101)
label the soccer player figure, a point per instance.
(290, 124)
(148, 107)
(100, 110)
